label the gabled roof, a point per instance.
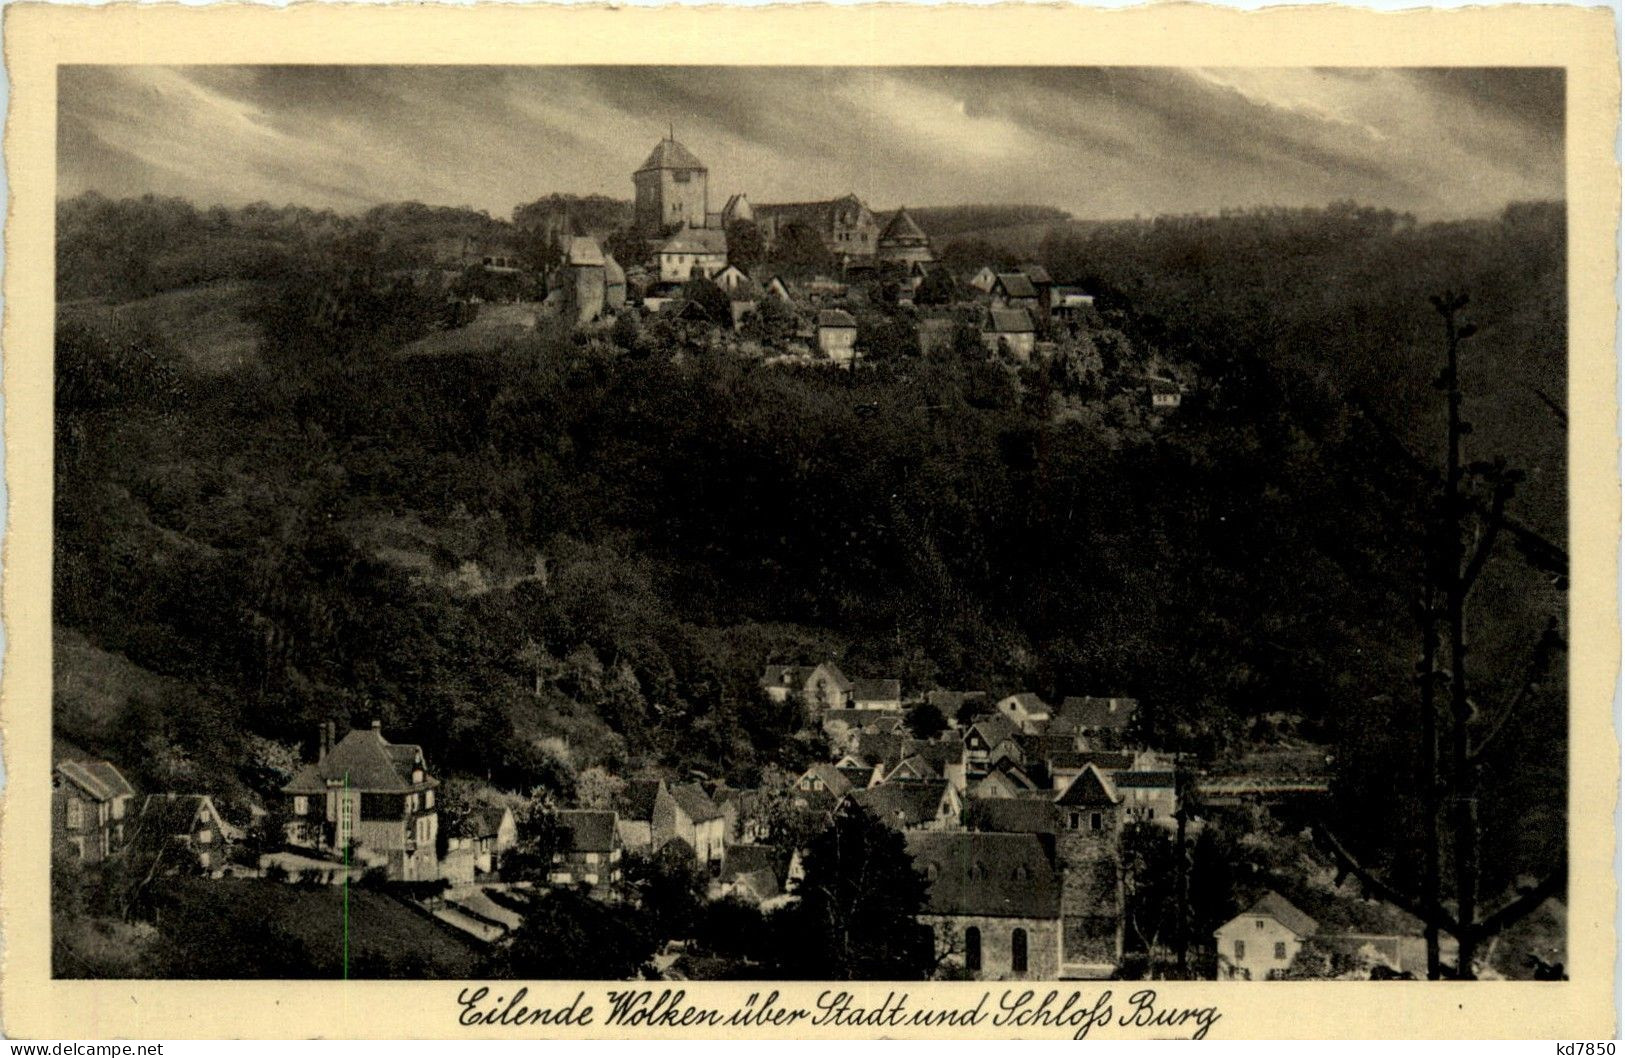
(1015, 285)
(882, 747)
(1013, 815)
(1036, 273)
(637, 801)
(587, 830)
(170, 814)
(1009, 320)
(830, 776)
(696, 241)
(1095, 714)
(902, 229)
(1088, 789)
(363, 761)
(1274, 905)
(669, 154)
(98, 778)
(1002, 875)
(903, 804)
(1027, 702)
(877, 690)
(692, 800)
(742, 859)
(738, 207)
(486, 820)
(836, 318)
(992, 728)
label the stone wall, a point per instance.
(1043, 945)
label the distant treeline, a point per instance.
(942, 222)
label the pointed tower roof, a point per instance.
(669, 154)
(901, 228)
(1088, 789)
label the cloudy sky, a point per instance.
(1099, 142)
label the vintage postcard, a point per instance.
(1019, 522)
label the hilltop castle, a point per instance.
(672, 190)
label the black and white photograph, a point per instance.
(776, 523)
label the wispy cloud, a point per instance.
(1101, 142)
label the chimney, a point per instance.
(320, 745)
(329, 736)
(378, 726)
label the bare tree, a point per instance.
(1470, 518)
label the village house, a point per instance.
(1066, 766)
(1105, 721)
(175, 832)
(984, 279)
(1013, 290)
(778, 288)
(837, 335)
(1026, 710)
(994, 903)
(903, 241)
(1009, 331)
(754, 873)
(931, 804)
(1043, 285)
(693, 252)
(483, 837)
(1070, 301)
(1148, 796)
(981, 738)
(1262, 941)
(587, 852)
(1006, 780)
(669, 189)
(1165, 393)
(845, 225)
(368, 792)
(877, 694)
(822, 687)
(824, 778)
(90, 801)
(686, 813)
(950, 703)
(635, 812)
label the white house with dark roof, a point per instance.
(691, 252)
(670, 188)
(838, 335)
(90, 805)
(371, 792)
(877, 694)
(1262, 941)
(587, 852)
(175, 832)
(1009, 330)
(1026, 710)
(684, 812)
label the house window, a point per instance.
(76, 813)
(1095, 822)
(428, 799)
(1280, 950)
(79, 846)
(203, 859)
(1258, 923)
(592, 857)
(1241, 950)
(205, 836)
(1018, 951)
(973, 949)
(1073, 821)
(301, 805)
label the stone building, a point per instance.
(846, 226)
(1087, 852)
(994, 903)
(669, 189)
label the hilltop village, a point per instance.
(790, 283)
(610, 784)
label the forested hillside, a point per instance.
(570, 551)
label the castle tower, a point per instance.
(1088, 855)
(670, 189)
